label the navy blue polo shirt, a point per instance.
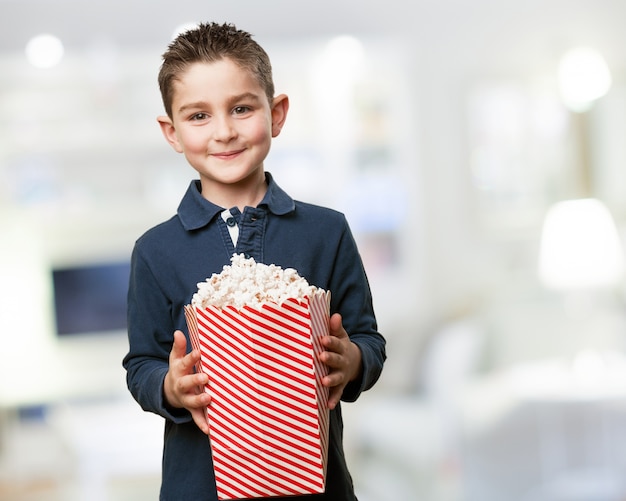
(170, 259)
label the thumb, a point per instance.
(334, 325)
(179, 348)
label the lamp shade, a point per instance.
(580, 246)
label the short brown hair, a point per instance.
(210, 42)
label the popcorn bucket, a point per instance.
(268, 415)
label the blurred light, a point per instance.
(344, 57)
(580, 246)
(583, 77)
(336, 71)
(44, 51)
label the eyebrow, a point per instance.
(246, 96)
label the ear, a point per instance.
(169, 132)
(280, 107)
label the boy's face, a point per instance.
(223, 123)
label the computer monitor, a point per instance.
(90, 299)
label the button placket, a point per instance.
(252, 228)
(232, 226)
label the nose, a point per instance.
(223, 128)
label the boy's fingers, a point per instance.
(334, 396)
(197, 407)
(331, 359)
(189, 361)
(199, 417)
(179, 354)
(201, 380)
(196, 400)
(179, 346)
(190, 387)
(334, 325)
(334, 380)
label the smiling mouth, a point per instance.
(227, 155)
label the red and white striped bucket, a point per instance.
(268, 415)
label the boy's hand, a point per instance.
(343, 359)
(183, 387)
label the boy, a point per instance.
(221, 113)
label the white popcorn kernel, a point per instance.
(247, 283)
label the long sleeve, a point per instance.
(150, 333)
(352, 298)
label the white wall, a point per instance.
(84, 170)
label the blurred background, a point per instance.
(478, 150)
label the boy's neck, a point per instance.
(248, 193)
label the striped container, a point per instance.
(268, 415)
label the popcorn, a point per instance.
(258, 329)
(247, 283)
